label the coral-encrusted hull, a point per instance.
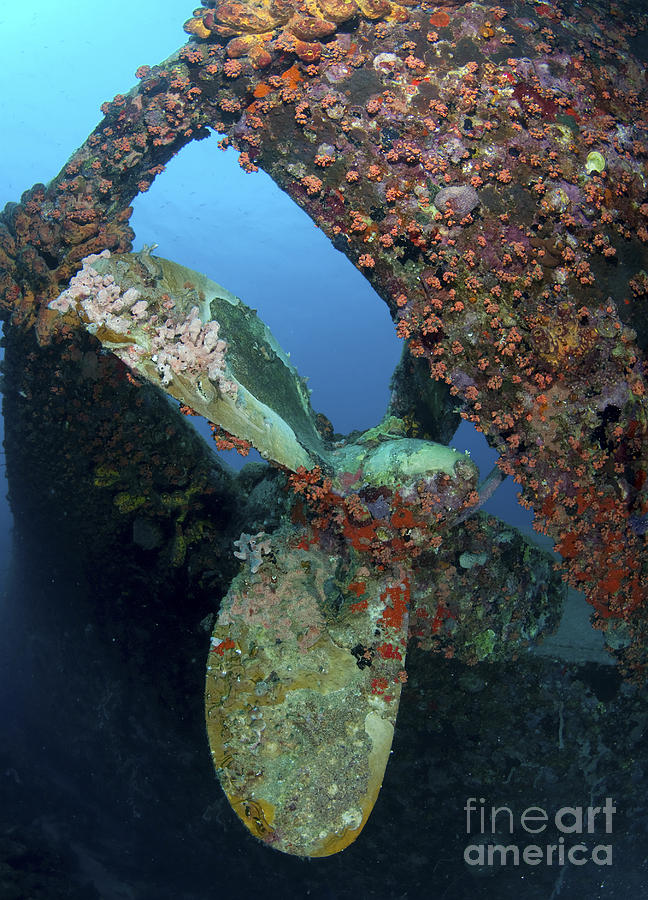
(303, 685)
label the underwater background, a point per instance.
(129, 809)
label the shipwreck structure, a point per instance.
(485, 167)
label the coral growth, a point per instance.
(485, 169)
(122, 318)
(252, 548)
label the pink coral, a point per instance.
(175, 345)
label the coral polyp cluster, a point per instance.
(390, 519)
(262, 29)
(139, 336)
(475, 589)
